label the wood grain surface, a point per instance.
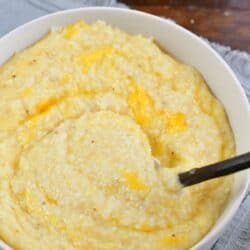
(223, 21)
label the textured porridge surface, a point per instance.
(83, 114)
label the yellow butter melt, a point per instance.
(133, 181)
(145, 112)
(86, 61)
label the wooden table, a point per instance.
(223, 21)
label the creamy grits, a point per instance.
(83, 114)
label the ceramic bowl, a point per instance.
(183, 45)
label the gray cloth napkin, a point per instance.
(16, 12)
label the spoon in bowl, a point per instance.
(215, 170)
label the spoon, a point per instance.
(219, 169)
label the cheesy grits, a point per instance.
(83, 114)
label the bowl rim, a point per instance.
(213, 233)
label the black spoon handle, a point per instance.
(219, 169)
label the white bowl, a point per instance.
(185, 46)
